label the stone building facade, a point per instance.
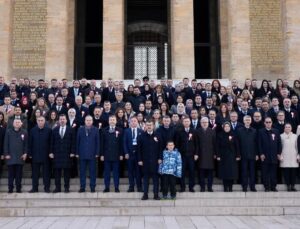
(257, 39)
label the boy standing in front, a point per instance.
(170, 168)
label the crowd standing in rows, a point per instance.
(153, 130)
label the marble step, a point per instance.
(208, 202)
(124, 187)
(149, 211)
(124, 195)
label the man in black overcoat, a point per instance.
(186, 143)
(269, 143)
(39, 150)
(63, 150)
(149, 157)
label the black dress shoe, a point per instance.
(19, 191)
(67, 190)
(117, 190)
(33, 191)
(130, 190)
(267, 190)
(253, 190)
(245, 190)
(156, 197)
(182, 190)
(93, 190)
(56, 191)
(274, 190)
(202, 190)
(191, 190)
(293, 189)
(210, 190)
(10, 191)
(81, 190)
(145, 197)
(106, 190)
(47, 191)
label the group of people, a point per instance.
(153, 130)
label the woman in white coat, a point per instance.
(289, 158)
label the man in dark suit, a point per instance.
(186, 143)
(280, 122)
(39, 150)
(130, 151)
(59, 107)
(247, 137)
(149, 157)
(109, 92)
(15, 152)
(213, 122)
(75, 90)
(195, 123)
(111, 152)
(63, 149)
(119, 103)
(81, 111)
(291, 115)
(235, 125)
(88, 150)
(269, 145)
(206, 152)
(244, 111)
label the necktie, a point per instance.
(133, 134)
(62, 132)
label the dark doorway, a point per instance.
(147, 40)
(88, 39)
(206, 38)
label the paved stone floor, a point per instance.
(155, 222)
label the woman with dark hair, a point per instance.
(129, 92)
(279, 86)
(227, 156)
(24, 104)
(164, 109)
(2, 121)
(147, 92)
(223, 115)
(32, 121)
(141, 120)
(296, 87)
(32, 103)
(265, 90)
(142, 108)
(52, 119)
(216, 86)
(158, 95)
(121, 118)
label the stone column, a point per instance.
(239, 43)
(291, 9)
(182, 36)
(5, 38)
(113, 39)
(57, 39)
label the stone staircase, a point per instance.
(129, 204)
(236, 203)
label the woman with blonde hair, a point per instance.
(289, 158)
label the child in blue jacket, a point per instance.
(170, 169)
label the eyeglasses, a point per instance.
(268, 122)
